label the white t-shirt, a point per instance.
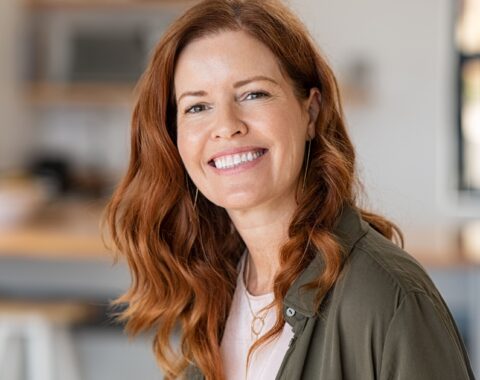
(237, 338)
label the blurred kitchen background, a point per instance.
(410, 78)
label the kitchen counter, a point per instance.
(61, 229)
(71, 229)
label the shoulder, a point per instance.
(385, 309)
(378, 276)
(389, 264)
(385, 290)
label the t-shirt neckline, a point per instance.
(257, 299)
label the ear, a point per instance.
(313, 107)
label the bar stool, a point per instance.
(35, 339)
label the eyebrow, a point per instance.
(192, 93)
(253, 79)
(235, 85)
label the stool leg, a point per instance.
(10, 350)
(38, 333)
(67, 364)
(14, 368)
(6, 330)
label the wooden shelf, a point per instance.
(48, 94)
(442, 248)
(111, 4)
(51, 94)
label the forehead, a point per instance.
(224, 56)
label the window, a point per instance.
(468, 45)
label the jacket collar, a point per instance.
(349, 228)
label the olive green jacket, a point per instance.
(383, 319)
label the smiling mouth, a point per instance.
(234, 160)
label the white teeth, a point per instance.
(228, 162)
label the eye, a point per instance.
(256, 95)
(196, 108)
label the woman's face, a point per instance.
(241, 131)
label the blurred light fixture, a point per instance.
(468, 47)
(470, 237)
(468, 30)
(471, 122)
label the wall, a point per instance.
(405, 137)
(12, 135)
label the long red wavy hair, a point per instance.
(183, 258)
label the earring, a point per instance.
(196, 197)
(306, 165)
(188, 191)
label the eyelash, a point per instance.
(189, 109)
(262, 94)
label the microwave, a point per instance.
(93, 45)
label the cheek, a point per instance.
(190, 149)
(287, 130)
(290, 131)
(185, 153)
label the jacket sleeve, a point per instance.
(422, 343)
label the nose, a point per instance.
(228, 123)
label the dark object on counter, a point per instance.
(56, 171)
(62, 176)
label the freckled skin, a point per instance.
(217, 115)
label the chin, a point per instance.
(237, 202)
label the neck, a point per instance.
(264, 232)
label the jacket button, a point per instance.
(290, 312)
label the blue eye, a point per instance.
(256, 95)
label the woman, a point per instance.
(239, 220)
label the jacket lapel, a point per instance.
(299, 304)
(349, 228)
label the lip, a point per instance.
(231, 151)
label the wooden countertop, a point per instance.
(70, 229)
(61, 229)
